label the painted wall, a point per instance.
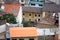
(37, 3)
(24, 38)
(33, 17)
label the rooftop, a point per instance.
(11, 8)
(52, 7)
(47, 7)
(31, 9)
(23, 32)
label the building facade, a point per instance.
(32, 3)
(37, 3)
(32, 14)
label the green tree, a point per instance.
(26, 23)
(10, 18)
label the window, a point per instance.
(40, 5)
(33, 4)
(22, 4)
(29, 14)
(31, 0)
(35, 15)
(21, 39)
(37, 0)
(22, 0)
(31, 39)
(14, 39)
(38, 19)
(39, 15)
(23, 14)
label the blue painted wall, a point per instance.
(37, 3)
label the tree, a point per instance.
(26, 23)
(10, 18)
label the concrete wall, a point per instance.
(2, 28)
(24, 38)
(2, 35)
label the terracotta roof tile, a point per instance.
(10, 7)
(23, 32)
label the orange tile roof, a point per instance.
(9, 7)
(23, 32)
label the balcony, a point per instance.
(36, 4)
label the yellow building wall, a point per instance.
(32, 17)
(24, 38)
(43, 14)
(26, 14)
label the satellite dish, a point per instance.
(2, 7)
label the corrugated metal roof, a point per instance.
(31, 9)
(51, 7)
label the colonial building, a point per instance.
(32, 13)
